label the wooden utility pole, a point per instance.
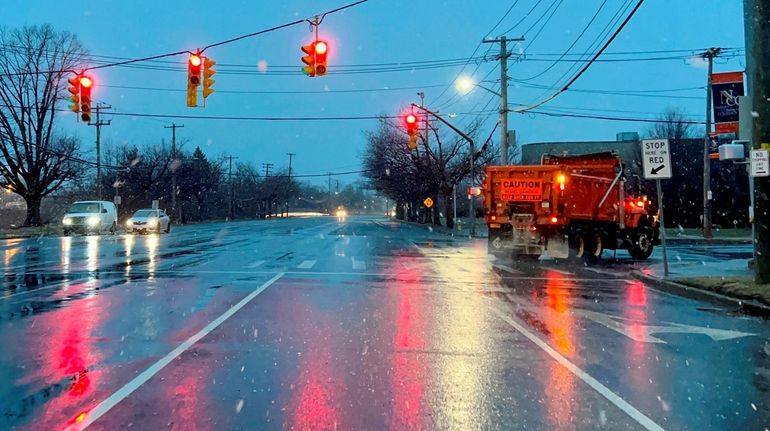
(708, 55)
(504, 54)
(174, 211)
(758, 64)
(98, 124)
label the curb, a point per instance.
(709, 241)
(438, 229)
(748, 305)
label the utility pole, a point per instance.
(98, 124)
(758, 62)
(230, 213)
(267, 167)
(421, 94)
(330, 192)
(504, 54)
(291, 156)
(173, 127)
(709, 55)
(337, 190)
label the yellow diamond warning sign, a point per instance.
(428, 202)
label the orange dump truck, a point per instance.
(566, 207)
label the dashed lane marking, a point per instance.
(306, 264)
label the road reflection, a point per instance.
(65, 243)
(406, 382)
(92, 252)
(151, 242)
(561, 398)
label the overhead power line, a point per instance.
(587, 65)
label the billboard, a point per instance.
(726, 87)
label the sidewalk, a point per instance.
(720, 236)
(724, 277)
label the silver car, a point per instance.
(149, 220)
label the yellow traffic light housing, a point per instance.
(309, 59)
(193, 79)
(208, 72)
(74, 89)
(86, 83)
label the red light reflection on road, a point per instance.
(407, 386)
(636, 313)
(560, 397)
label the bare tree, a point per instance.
(34, 64)
(674, 125)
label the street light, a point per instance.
(465, 84)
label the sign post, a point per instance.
(656, 164)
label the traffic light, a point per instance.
(208, 72)
(74, 90)
(86, 83)
(193, 79)
(315, 58)
(411, 129)
(321, 49)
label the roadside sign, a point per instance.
(428, 202)
(760, 163)
(656, 159)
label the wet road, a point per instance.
(361, 324)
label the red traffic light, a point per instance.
(86, 82)
(411, 119)
(321, 47)
(195, 60)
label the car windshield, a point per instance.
(146, 213)
(385, 215)
(85, 207)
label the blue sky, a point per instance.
(379, 31)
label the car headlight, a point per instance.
(129, 223)
(152, 222)
(67, 221)
(93, 221)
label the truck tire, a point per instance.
(594, 248)
(641, 244)
(577, 248)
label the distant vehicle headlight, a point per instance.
(93, 221)
(67, 221)
(152, 222)
(129, 223)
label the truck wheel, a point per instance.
(641, 245)
(578, 246)
(595, 248)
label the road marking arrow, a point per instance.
(641, 332)
(658, 169)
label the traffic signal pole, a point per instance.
(472, 156)
(707, 226)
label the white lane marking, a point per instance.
(358, 264)
(103, 407)
(306, 264)
(507, 268)
(612, 397)
(256, 264)
(558, 270)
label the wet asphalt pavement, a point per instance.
(359, 324)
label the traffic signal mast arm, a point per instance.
(448, 124)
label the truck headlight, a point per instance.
(93, 221)
(67, 221)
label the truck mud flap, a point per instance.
(558, 247)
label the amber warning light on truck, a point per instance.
(522, 189)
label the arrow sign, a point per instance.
(644, 333)
(655, 171)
